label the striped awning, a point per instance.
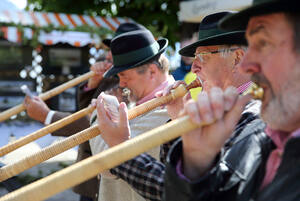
(30, 20)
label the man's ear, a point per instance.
(239, 54)
(152, 69)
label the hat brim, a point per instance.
(230, 38)
(114, 70)
(106, 42)
(239, 21)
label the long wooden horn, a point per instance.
(105, 160)
(44, 96)
(44, 131)
(74, 140)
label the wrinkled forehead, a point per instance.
(207, 48)
(268, 25)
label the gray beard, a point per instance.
(283, 110)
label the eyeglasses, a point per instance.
(201, 54)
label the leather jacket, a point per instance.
(286, 184)
(238, 171)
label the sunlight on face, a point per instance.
(212, 69)
(136, 83)
(275, 66)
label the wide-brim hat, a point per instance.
(133, 49)
(240, 20)
(123, 28)
(211, 34)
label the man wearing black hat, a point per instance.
(95, 85)
(141, 67)
(273, 61)
(38, 110)
(218, 163)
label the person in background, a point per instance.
(38, 110)
(185, 62)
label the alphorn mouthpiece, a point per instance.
(256, 91)
(196, 83)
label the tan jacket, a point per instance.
(115, 189)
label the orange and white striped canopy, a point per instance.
(43, 19)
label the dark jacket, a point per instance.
(238, 171)
(88, 188)
(286, 184)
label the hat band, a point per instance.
(137, 55)
(209, 33)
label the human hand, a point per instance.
(174, 107)
(36, 108)
(201, 146)
(113, 132)
(99, 68)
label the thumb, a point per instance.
(94, 102)
(102, 117)
(107, 65)
(158, 94)
(123, 119)
(233, 116)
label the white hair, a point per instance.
(226, 49)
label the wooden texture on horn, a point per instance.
(72, 141)
(105, 160)
(44, 96)
(44, 131)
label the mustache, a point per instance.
(259, 79)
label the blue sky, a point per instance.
(19, 3)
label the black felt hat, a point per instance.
(123, 28)
(259, 7)
(133, 49)
(210, 34)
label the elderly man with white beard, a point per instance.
(273, 61)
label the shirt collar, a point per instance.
(278, 137)
(244, 87)
(163, 85)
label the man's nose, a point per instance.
(249, 64)
(122, 83)
(196, 67)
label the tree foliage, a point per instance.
(160, 16)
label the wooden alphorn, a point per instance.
(90, 167)
(44, 96)
(44, 131)
(78, 138)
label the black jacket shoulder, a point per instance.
(238, 169)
